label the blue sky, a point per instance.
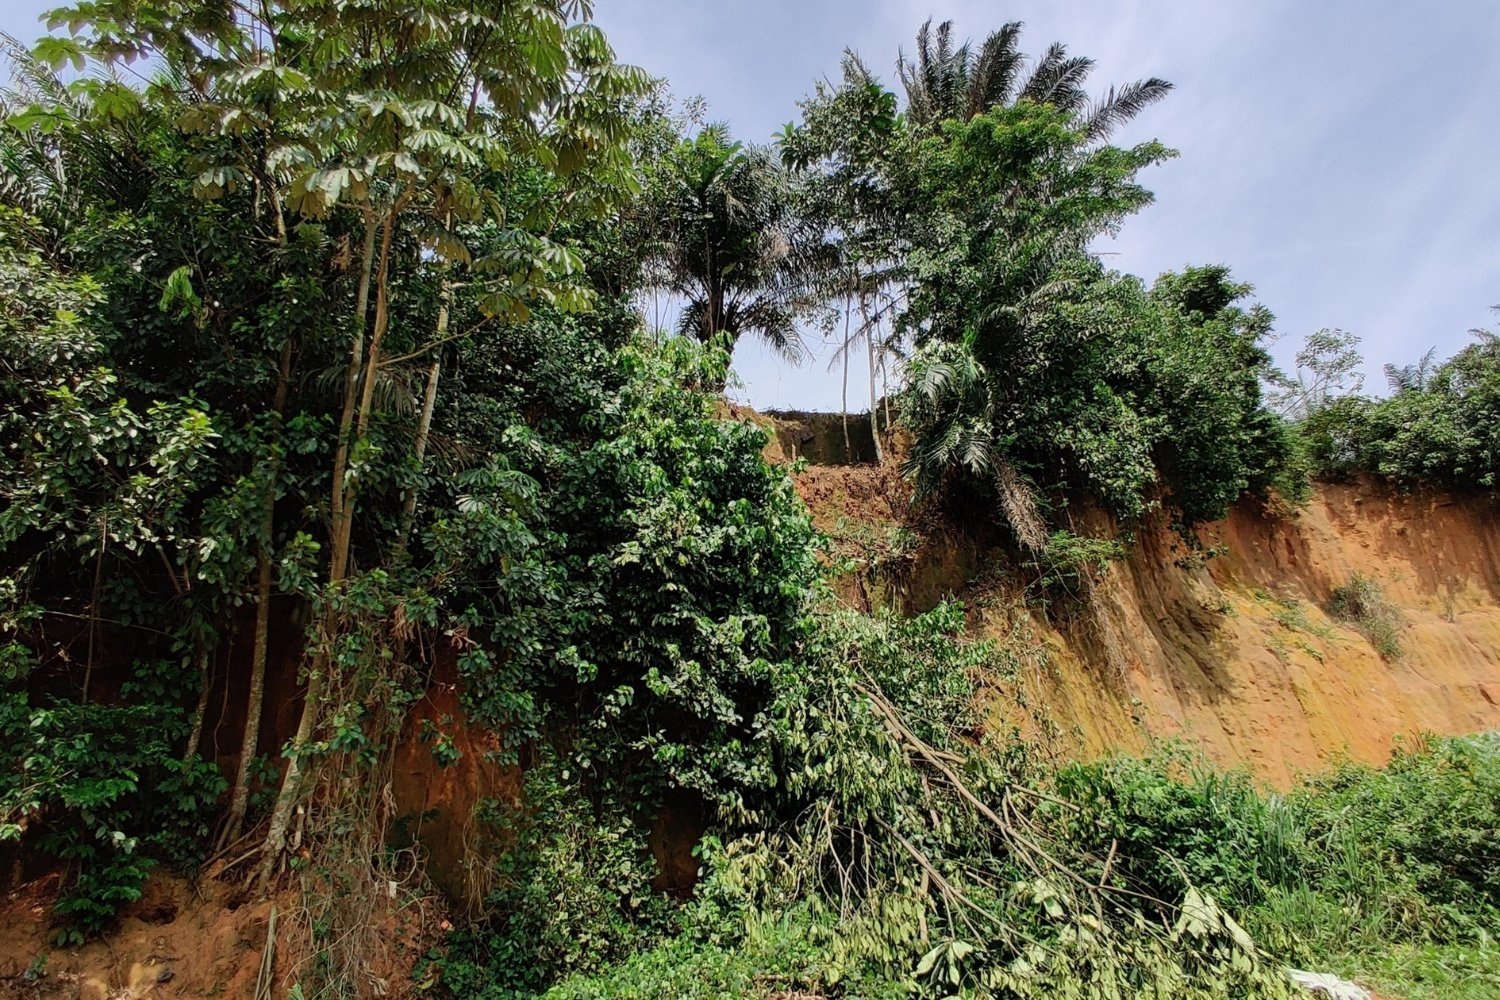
(1341, 155)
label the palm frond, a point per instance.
(1058, 80)
(1117, 107)
(995, 69)
(1412, 378)
(1039, 83)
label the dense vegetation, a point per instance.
(322, 345)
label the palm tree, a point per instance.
(952, 406)
(947, 81)
(1413, 378)
(50, 165)
(733, 242)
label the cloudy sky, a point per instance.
(1341, 155)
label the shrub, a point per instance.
(1346, 863)
(1065, 567)
(780, 957)
(111, 796)
(573, 890)
(1172, 821)
(1431, 820)
(1362, 603)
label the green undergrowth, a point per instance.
(1363, 604)
(897, 849)
(1428, 971)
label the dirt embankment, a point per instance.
(1242, 655)
(1231, 645)
(194, 940)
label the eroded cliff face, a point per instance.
(1241, 655)
(1230, 645)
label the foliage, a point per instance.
(573, 890)
(1328, 367)
(1038, 357)
(777, 957)
(1347, 863)
(948, 82)
(212, 368)
(1428, 823)
(335, 339)
(1429, 971)
(110, 795)
(676, 584)
(1069, 561)
(729, 236)
(1362, 603)
(1336, 872)
(1438, 427)
(930, 859)
(1014, 197)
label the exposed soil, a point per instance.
(189, 940)
(1230, 644)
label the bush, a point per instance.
(1440, 427)
(1428, 822)
(1067, 564)
(1346, 863)
(1173, 822)
(111, 796)
(573, 890)
(1362, 603)
(782, 958)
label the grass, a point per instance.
(1362, 603)
(1291, 615)
(1428, 971)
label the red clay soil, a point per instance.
(189, 941)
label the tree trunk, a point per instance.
(864, 315)
(255, 699)
(250, 738)
(844, 391)
(885, 389)
(377, 336)
(291, 783)
(205, 682)
(429, 398)
(341, 510)
(336, 505)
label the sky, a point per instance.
(1343, 156)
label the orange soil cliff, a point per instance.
(1235, 652)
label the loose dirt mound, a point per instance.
(188, 940)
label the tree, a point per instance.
(397, 120)
(1438, 426)
(734, 242)
(946, 82)
(1414, 377)
(1328, 366)
(842, 149)
(1012, 316)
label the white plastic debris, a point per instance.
(1321, 984)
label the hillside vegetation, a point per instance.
(325, 400)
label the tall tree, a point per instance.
(1327, 367)
(734, 242)
(1012, 315)
(948, 81)
(400, 118)
(843, 150)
